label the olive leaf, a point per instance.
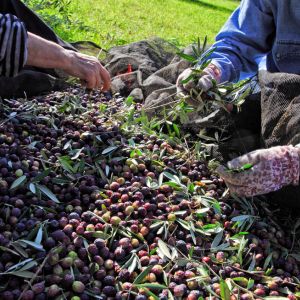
(21, 264)
(34, 245)
(19, 181)
(47, 193)
(164, 249)
(40, 176)
(142, 275)
(217, 240)
(39, 235)
(225, 292)
(109, 150)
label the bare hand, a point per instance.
(89, 70)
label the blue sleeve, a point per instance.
(247, 35)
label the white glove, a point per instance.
(205, 82)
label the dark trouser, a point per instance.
(31, 81)
(244, 129)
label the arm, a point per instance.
(247, 34)
(17, 48)
(46, 54)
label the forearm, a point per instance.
(46, 54)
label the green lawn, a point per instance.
(115, 22)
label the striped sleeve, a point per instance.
(13, 45)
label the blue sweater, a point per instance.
(259, 28)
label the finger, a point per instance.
(189, 85)
(98, 81)
(233, 178)
(105, 79)
(182, 77)
(91, 81)
(249, 158)
(205, 83)
(229, 107)
(238, 190)
(83, 82)
(179, 84)
(236, 163)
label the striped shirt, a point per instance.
(13, 45)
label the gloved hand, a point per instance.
(271, 170)
(205, 82)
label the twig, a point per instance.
(35, 275)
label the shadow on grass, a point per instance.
(208, 5)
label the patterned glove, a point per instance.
(271, 170)
(205, 82)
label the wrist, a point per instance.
(46, 54)
(297, 147)
(65, 59)
(295, 164)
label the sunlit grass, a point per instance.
(115, 22)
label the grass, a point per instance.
(117, 22)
